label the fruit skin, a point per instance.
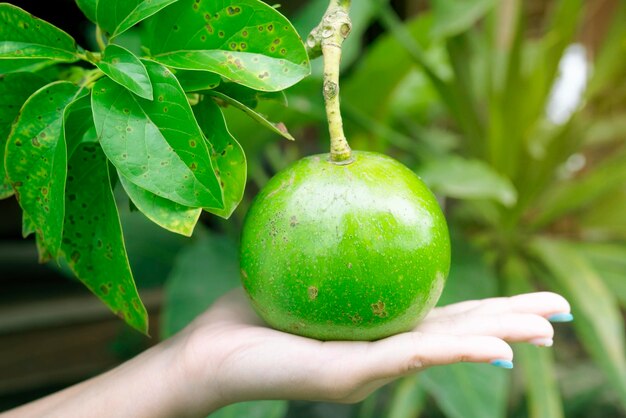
(345, 252)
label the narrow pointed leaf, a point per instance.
(157, 144)
(165, 213)
(117, 16)
(14, 90)
(278, 128)
(88, 7)
(226, 153)
(127, 70)
(245, 41)
(455, 16)
(24, 37)
(598, 320)
(36, 160)
(537, 364)
(93, 244)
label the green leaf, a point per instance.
(24, 37)
(157, 144)
(277, 128)
(117, 16)
(197, 80)
(226, 154)
(36, 160)
(609, 260)
(452, 17)
(254, 409)
(125, 69)
(88, 7)
(598, 320)
(408, 399)
(537, 364)
(14, 90)
(252, 70)
(93, 244)
(467, 390)
(26, 65)
(203, 271)
(245, 41)
(165, 213)
(582, 192)
(468, 179)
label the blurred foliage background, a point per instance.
(514, 113)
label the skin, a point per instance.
(355, 251)
(229, 355)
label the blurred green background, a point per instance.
(513, 112)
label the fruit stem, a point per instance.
(327, 38)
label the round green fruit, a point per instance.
(358, 251)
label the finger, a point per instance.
(409, 352)
(514, 327)
(539, 303)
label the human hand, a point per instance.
(230, 353)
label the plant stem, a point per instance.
(100, 38)
(328, 37)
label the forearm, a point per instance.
(152, 385)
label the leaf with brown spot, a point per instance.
(151, 142)
(14, 90)
(36, 160)
(246, 41)
(25, 38)
(226, 153)
(117, 16)
(93, 244)
(163, 212)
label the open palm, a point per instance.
(235, 355)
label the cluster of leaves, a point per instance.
(74, 123)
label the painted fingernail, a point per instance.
(561, 317)
(505, 364)
(542, 342)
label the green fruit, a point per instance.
(345, 252)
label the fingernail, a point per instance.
(505, 364)
(561, 317)
(542, 342)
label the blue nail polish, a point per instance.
(561, 317)
(505, 364)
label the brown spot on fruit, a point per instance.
(313, 292)
(378, 309)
